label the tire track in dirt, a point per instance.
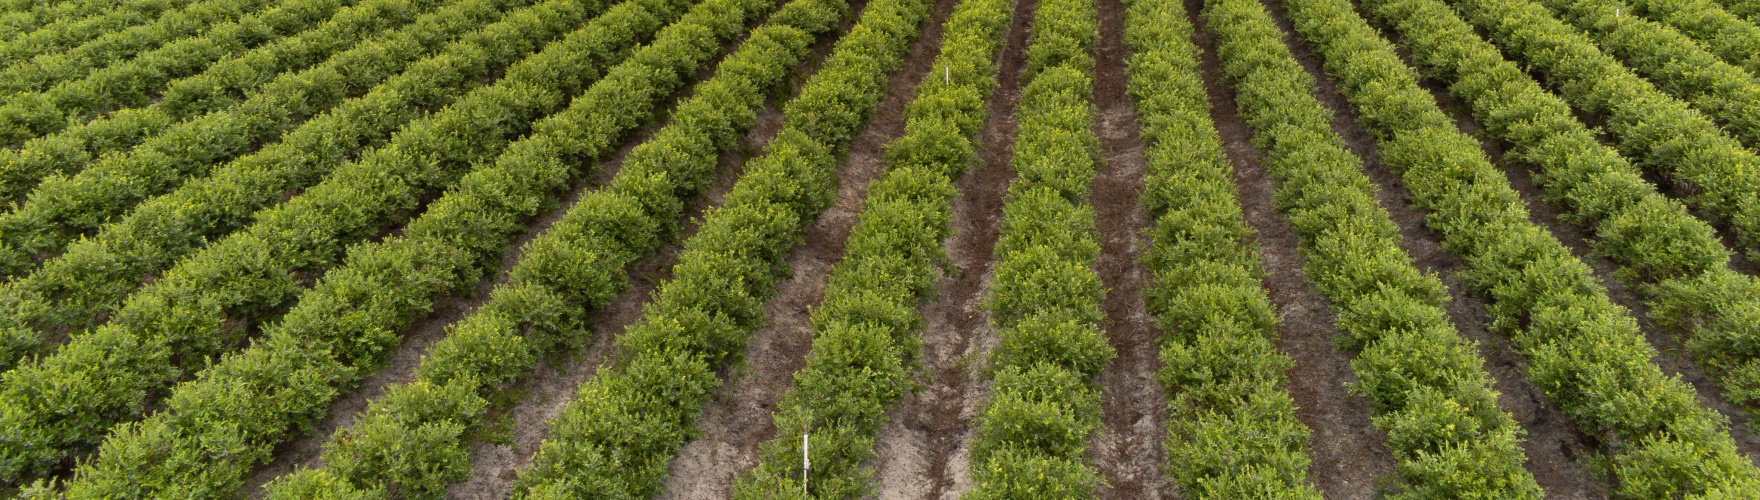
(739, 419)
(921, 450)
(1128, 450)
(1347, 451)
(1553, 446)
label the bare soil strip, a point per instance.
(1348, 452)
(1128, 450)
(739, 420)
(922, 448)
(1553, 445)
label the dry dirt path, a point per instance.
(1128, 449)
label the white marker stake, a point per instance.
(806, 461)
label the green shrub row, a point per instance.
(566, 273)
(865, 329)
(272, 68)
(61, 208)
(1675, 260)
(1715, 175)
(43, 30)
(343, 328)
(1033, 432)
(1674, 62)
(1232, 430)
(212, 301)
(22, 17)
(81, 287)
(136, 81)
(1747, 9)
(1584, 352)
(158, 77)
(48, 69)
(615, 439)
(1731, 38)
(1428, 386)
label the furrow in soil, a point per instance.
(1128, 450)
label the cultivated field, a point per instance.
(895, 249)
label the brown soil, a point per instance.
(1348, 454)
(1128, 451)
(1553, 445)
(739, 420)
(921, 451)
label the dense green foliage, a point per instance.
(1652, 238)
(1676, 63)
(865, 329)
(210, 302)
(228, 83)
(51, 68)
(615, 439)
(562, 277)
(1431, 394)
(42, 29)
(1231, 428)
(83, 286)
(1731, 38)
(1746, 9)
(1585, 352)
(1715, 175)
(62, 208)
(343, 327)
(136, 81)
(234, 71)
(1044, 300)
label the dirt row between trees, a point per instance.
(1128, 451)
